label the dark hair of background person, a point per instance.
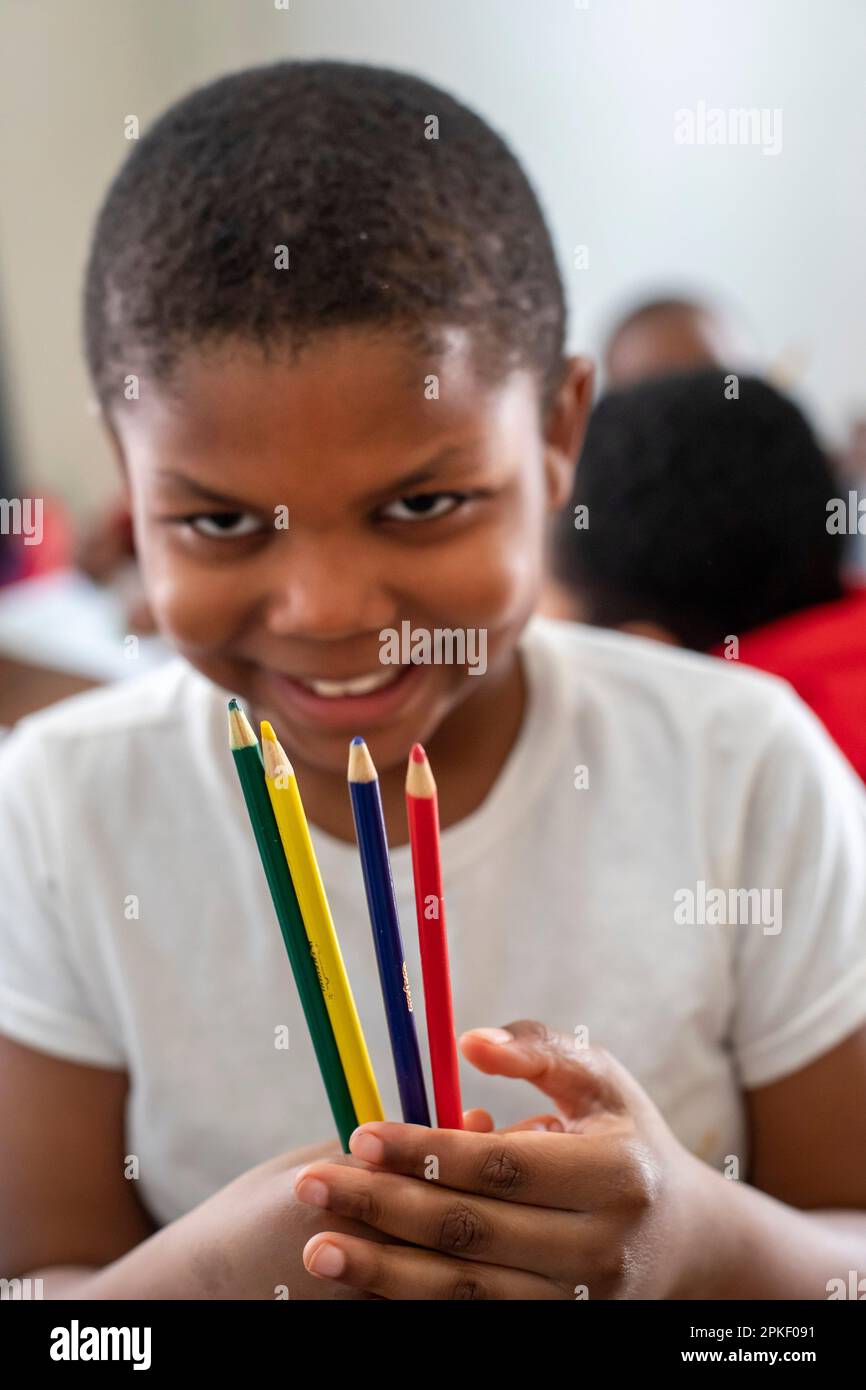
(707, 516)
(384, 227)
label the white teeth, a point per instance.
(361, 685)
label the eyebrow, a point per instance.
(427, 472)
(206, 493)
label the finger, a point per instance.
(582, 1080)
(479, 1121)
(552, 1124)
(398, 1272)
(552, 1243)
(436, 1217)
(568, 1171)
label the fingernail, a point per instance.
(312, 1191)
(494, 1035)
(368, 1147)
(327, 1260)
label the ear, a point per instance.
(565, 428)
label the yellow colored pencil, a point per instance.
(325, 948)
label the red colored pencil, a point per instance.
(422, 810)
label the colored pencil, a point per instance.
(390, 956)
(248, 761)
(422, 810)
(294, 831)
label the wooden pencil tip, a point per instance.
(361, 765)
(267, 731)
(419, 778)
(241, 734)
(277, 765)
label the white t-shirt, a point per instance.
(565, 903)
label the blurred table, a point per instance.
(62, 633)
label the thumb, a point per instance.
(581, 1080)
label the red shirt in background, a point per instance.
(54, 552)
(821, 652)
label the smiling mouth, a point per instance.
(358, 685)
(368, 701)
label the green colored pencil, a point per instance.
(248, 761)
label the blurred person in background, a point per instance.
(660, 335)
(672, 333)
(713, 523)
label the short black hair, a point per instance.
(706, 514)
(383, 225)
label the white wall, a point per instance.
(586, 95)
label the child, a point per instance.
(733, 536)
(329, 288)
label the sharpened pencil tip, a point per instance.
(361, 765)
(419, 778)
(241, 734)
(233, 704)
(274, 755)
(356, 740)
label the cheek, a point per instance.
(197, 608)
(493, 580)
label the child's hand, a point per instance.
(610, 1207)
(245, 1241)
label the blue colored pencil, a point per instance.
(382, 906)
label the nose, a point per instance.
(327, 589)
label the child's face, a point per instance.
(400, 508)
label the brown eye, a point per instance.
(425, 506)
(224, 525)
